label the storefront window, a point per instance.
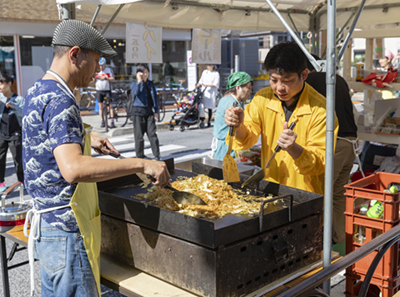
(171, 73)
(117, 63)
(36, 51)
(7, 59)
(36, 58)
(37, 55)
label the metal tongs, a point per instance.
(180, 197)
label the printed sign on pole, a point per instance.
(143, 44)
(206, 46)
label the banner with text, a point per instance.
(206, 46)
(143, 44)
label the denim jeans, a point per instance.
(64, 266)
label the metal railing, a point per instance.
(383, 242)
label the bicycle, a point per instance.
(122, 106)
(168, 89)
(88, 98)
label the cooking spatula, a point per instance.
(183, 197)
(229, 166)
(261, 174)
(179, 196)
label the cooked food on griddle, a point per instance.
(146, 180)
(220, 197)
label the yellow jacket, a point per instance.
(265, 116)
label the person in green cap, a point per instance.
(239, 88)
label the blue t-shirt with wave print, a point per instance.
(51, 117)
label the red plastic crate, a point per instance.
(358, 193)
(358, 175)
(387, 269)
(381, 181)
(389, 266)
(387, 288)
(373, 291)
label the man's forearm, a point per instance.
(76, 167)
(89, 169)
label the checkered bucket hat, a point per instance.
(78, 33)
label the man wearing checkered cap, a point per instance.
(60, 176)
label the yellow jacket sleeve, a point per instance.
(312, 159)
(253, 122)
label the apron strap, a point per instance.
(33, 216)
(214, 146)
(356, 150)
(62, 82)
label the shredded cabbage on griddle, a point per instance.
(220, 197)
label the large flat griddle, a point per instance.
(117, 199)
(231, 256)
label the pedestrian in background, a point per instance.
(209, 83)
(11, 106)
(103, 89)
(145, 112)
(239, 88)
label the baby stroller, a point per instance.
(190, 116)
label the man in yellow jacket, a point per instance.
(301, 163)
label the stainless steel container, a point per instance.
(13, 214)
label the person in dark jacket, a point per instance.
(145, 112)
(11, 106)
(346, 144)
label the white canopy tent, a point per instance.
(289, 15)
(307, 15)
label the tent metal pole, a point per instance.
(232, 56)
(367, 7)
(330, 129)
(294, 36)
(353, 25)
(345, 25)
(237, 63)
(338, 35)
(112, 19)
(294, 25)
(95, 14)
